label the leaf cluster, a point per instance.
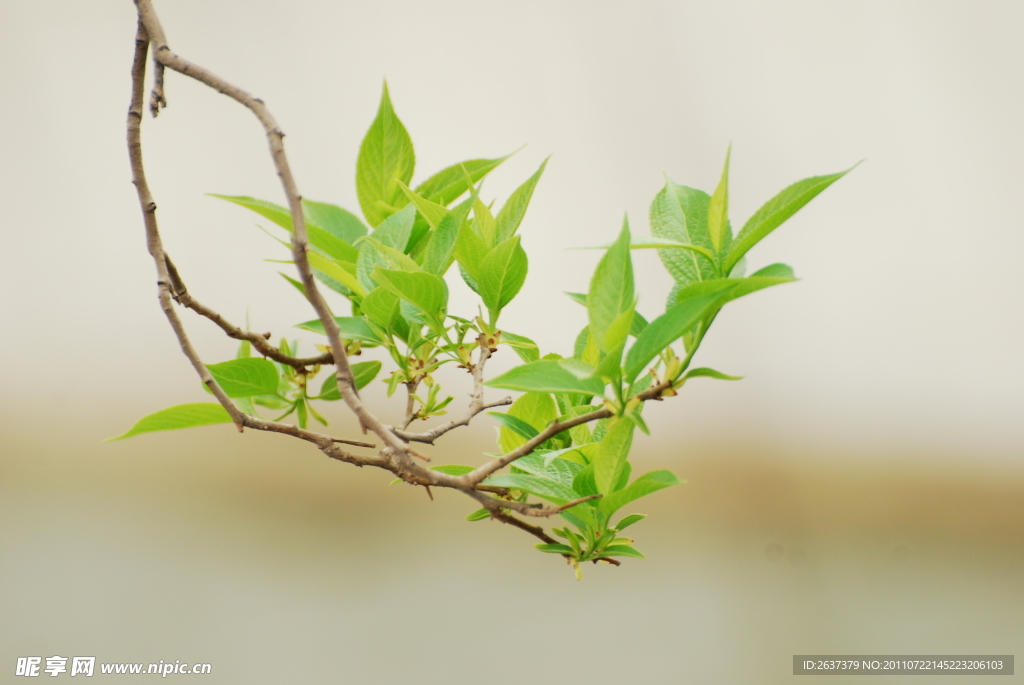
(392, 267)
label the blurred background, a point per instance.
(860, 491)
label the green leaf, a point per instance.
(453, 469)
(525, 348)
(718, 210)
(680, 214)
(180, 416)
(430, 211)
(704, 372)
(425, 291)
(777, 210)
(612, 454)
(395, 232)
(611, 290)
(513, 211)
(386, 155)
(386, 247)
(740, 286)
(484, 223)
(641, 487)
(479, 515)
(621, 551)
(352, 327)
(340, 223)
(670, 326)
(362, 374)
(648, 242)
(775, 271)
(555, 548)
(627, 521)
(447, 185)
(546, 375)
(550, 490)
(470, 251)
(563, 471)
(336, 271)
(501, 275)
(381, 307)
(276, 213)
(246, 377)
(536, 410)
(517, 425)
(439, 252)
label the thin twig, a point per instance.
(536, 531)
(553, 429)
(165, 288)
(157, 101)
(258, 340)
(300, 239)
(526, 508)
(476, 405)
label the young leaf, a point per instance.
(647, 242)
(775, 271)
(546, 375)
(642, 486)
(439, 252)
(431, 211)
(352, 327)
(704, 372)
(740, 286)
(622, 551)
(612, 454)
(535, 410)
(479, 515)
(550, 490)
(180, 416)
(627, 521)
(453, 469)
(513, 211)
(340, 223)
(670, 326)
(447, 185)
(777, 210)
(470, 251)
(515, 424)
(680, 214)
(484, 223)
(555, 549)
(543, 466)
(276, 213)
(395, 232)
(362, 374)
(336, 271)
(525, 348)
(246, 377)
(501, 275)
(718, 211)
(611, 289)
(425, 291)
(386, 247)
(386, 155)
(381, 307)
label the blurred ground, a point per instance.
(276, 565)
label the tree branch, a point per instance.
(258, 340)
(476, 405)
(300, 240)
(164, 281)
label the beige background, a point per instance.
(861, 491)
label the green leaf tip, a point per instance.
(177, 417)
